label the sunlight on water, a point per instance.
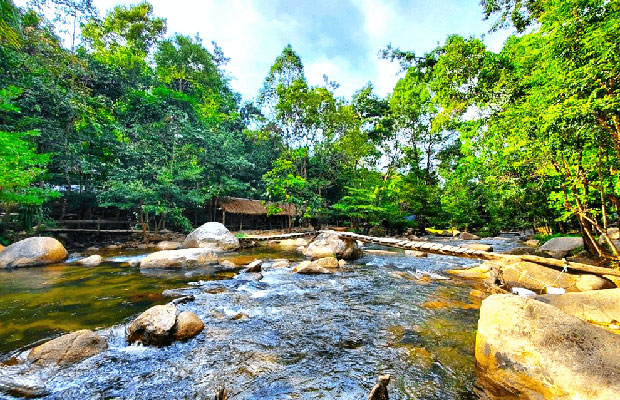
(285, 336)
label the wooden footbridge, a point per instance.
(449, 250)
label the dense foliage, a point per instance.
(128, 118)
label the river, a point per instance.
(286, 336)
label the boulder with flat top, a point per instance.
(68, 349)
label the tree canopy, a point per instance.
(130, 118)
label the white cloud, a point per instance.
(330, 39)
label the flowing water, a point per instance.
(285, 336)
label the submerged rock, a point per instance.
(228, 264)
(17, 386)
(331, 245)
(212, 235)
(478, 246)
(308, 268)
(415, 253)
(167, 245)
(283, 263)
(32, 252)
(68, 349)
(527, 349)
(154, 326)
(179, 258)
(188, 325)
(91, 261)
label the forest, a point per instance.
(125, 117)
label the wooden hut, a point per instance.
(238, 214)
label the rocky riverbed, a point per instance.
(286, 335)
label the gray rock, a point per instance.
(32, 252)
(179, 258)
(212, 235)
(68, 349)
(331, 245)
(561, 246)
(91, 261)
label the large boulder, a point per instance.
(31, 252)
(154, 326)
(68, 349)
(527, 349)
(535, 277)
(532, 276)
(179, 258)
(160, 325)
(211, 235)
(188, 325)
(561, 246)
(331, 245)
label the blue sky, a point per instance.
(340, 38)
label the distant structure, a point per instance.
(239, 214)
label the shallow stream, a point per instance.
(286, 336)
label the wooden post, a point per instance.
(223, 217)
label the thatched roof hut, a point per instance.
(239, 213)
(236, 205)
